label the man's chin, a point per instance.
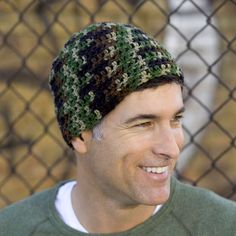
(158, 197)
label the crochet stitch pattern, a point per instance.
(98, 67)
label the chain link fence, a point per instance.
(200, 34)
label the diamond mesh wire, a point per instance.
(32, 153)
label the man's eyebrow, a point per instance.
(149, 116)
(181, 110)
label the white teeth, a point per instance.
(157, 170)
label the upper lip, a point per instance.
(155, 165)
(157, 161)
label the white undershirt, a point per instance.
(64, 207)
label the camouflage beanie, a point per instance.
(98, 67)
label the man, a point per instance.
(118, 99)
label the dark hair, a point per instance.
(162, 80)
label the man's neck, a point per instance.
(100, 215)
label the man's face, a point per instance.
(142, 139)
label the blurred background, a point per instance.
(200, 34)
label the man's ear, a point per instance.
(82, 142)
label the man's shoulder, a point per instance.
(198, 208)
(26, 214)
(202, 198)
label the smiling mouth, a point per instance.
(155, 170)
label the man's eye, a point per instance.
(178, 119)
(144, 124)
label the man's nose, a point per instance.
(166, 143)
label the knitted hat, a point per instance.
(98, 67)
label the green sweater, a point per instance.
(189, 211)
